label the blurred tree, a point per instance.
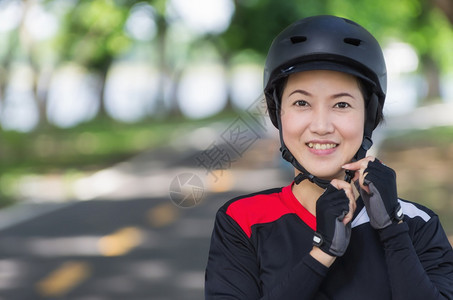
(32, 55)
(11, 47)
(92, 35)
(167, 73)
(419, 23)
(446, 6)
(435, 44)
(254, 24)
(22, 47)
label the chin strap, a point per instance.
(371, 109)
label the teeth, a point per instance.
(321, 146)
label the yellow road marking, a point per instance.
(221, 181)
(162, 215)
(120, 242)
(63, 279)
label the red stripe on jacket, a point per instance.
(266, 208)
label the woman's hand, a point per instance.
(377, 186)
(334, 211)
(347, 187)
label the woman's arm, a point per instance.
(420, 268)
(233, 270)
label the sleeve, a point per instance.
(421, 268)
(233, 269)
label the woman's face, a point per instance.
(323, 116)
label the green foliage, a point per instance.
(92, 33)
(439, 137)
(416, 22)
(92, 145)
(255, 23)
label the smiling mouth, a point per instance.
(317, 146)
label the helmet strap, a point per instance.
(370, 124)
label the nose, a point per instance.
(321, 121)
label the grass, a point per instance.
(88, 147)
(436, 137)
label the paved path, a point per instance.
(102, 249)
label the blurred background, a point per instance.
(126, 124)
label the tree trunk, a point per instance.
(102, 111)
(432, 76)
(161, 111)
(446, 6)
(40, 95)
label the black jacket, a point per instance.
(260, 250)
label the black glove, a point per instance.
(331, 235)
(381, 203)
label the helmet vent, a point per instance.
(352, 41)
(298, 39)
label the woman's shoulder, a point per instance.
(415, 210)
(253, 198)
(255, 208)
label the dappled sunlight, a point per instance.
(73, 94)
(100, 183)
(404, 87)
(246, 84)
(141, 23)
(117, 243)
(18, 108)
(202, 91)
(131, 91)
(204, 16)
(11, 271)
(40, 24)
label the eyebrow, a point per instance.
(335, 96)
(298, 91)
(339, 95)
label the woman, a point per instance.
(339, 231)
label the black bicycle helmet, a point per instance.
(326, 43)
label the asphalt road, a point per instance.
(102, 249)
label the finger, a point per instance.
(357, 165)
(350, 214)
(352, 207)
(346, 186)
(356, 176)
(360, 166)
(363, 186)
(349, 191)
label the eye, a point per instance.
(342, 105)
(301, 103)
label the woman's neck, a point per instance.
(307, 193)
